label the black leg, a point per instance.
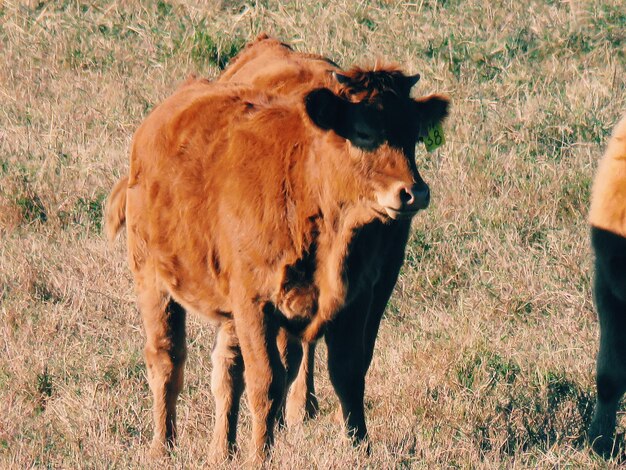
(346, 364)
(611, 365)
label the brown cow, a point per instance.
(239, 199)
(607, 216)
(270, 64)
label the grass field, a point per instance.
(486, 356)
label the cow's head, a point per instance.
(382, 128)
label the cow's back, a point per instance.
(269, 64)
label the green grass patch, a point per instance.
(32, 208)
(211, 49)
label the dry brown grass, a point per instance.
(486, 356)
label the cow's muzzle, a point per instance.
(403, 201)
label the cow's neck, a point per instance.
(336, 185)
(337, 192)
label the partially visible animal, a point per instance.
(608, 238)
(240, 201)
(270, 64)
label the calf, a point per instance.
(377, 251)
(608, 238)
(240, 201)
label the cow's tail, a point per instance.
(115, 209)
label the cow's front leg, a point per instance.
(264, 374)
(227, 386)
(346, 364)
(383, 287)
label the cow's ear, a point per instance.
(408, 82)
(431, 109)
(324, 108)
(342, 79)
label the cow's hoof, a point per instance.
(220, 453)
(256, 458)
(218, 458)
(158, 450)
(299, 409)
(364, 446)
(601, 445)
(294, 416)
(312, 407)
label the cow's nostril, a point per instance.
(407, 197)
(417, 196)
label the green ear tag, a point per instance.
(435, 137)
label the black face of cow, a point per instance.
(406, 120)
(390, 117)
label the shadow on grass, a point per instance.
(541, 415)
(546, 412)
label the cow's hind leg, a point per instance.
(264, 372)
(227, 386)
(165, 352)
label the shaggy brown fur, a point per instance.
(238, 206)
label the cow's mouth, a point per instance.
(397, 214)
